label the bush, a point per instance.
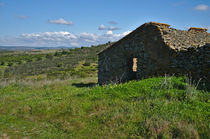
(86, 64)
(64, 52)
(57, 54)
(58, 75)
(2, 63)
(48, 56)
(39, 58)
(10, 64)
(60, 65)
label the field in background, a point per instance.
(50, 64)
(54, 94)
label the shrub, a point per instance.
(48, 56)
(86, 64)
(60, 65)
(10, 64)
(2, 63)
(64, 52)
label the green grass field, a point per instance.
(159, 107)
(54, 94)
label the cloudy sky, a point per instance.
(76, 23)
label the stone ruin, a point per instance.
(155, 49)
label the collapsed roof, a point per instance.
(175, 39)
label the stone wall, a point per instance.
(115, 63)
(159, 50)
(192, 62)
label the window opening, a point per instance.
(134, 65)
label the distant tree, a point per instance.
(29, 60)
(2, 63)
(59, 64)
(48, 56)
(86, 64)
(57, 54)
(39, 58)
(10, 64)
(20, 62)
(64, 52)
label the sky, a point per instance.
(76, 23)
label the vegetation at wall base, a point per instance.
(158, 107)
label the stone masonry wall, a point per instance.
(159, 50)
(192, 62)
(115, 63)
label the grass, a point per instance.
(54, 94)
(159, 107)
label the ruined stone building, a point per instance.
(155, 49)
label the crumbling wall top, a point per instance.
(197, 29)
(174, 38)
(160, 24)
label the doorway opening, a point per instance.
(131, 69)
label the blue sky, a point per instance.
(89, 22)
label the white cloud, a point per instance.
(112, 22)
(202, 7)
(101, 27)
(87, 37)
(61, 39)
(113, 28)
(50, 36)
(22, 17)
(109, 32)
(126, 33)
(74, 44)
(208, 27)
(60, 21)
(48, 39)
